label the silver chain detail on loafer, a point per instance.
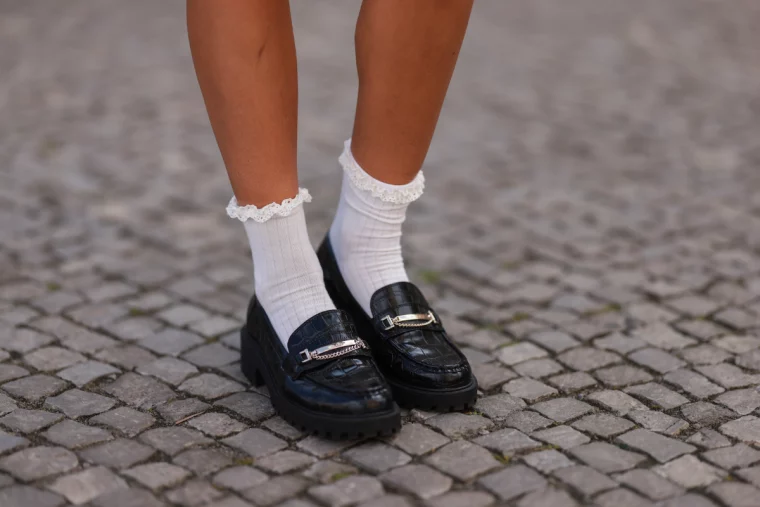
(341, 348)
(402, 320)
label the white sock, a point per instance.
(287, 276)
(366, 232)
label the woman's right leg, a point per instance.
(324, 381)
(245, 59)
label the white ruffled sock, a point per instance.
(287, 276)
(366, 232)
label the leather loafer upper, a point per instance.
(349, 384)
(423, 355)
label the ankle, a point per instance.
(288, 279)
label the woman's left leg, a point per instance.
(405, 55)
(406, 52)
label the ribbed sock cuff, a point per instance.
(399, 194)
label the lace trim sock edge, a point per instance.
(260, 215)
(400, 194)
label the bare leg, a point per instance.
(405, 53)
(245, 59)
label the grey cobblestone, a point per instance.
(597, 261)
(127, 357)
(463, 460)
(416, 439)
(34, 387)
(203, 462)
(132, 497)
(603, 425)
(419, 480)
(584, 480)
(6, 404)
(38, 462)
(376, 457)
(707, 414)
(210, 386)
(616, 401)
(513, 482)
(326, 471)
(169, 369)
(658, 422)
(507, 441)
(276, 490)
(659, 447)
(126, 420)
(11, 371)
(256, 442)
(562, 409)
(621, 497)
(10, 442)
(348, 491)
(621, 376)
(72, 434)
(173, 440)
(606, 457)
(658, 395)
(285, 461)
(649, 484)
(689, 472)
(239, 478)
(87, 485)
(194, 492)
(177, 410)
(24, 496)
(249, 405)
(547, 461)
(458, 425)
(29, 421)
(528, 389)
(119, 453)
(562, 436)
(569, 382)
(739, 455)
(85, 372)
(728, 375)
(708, 439)
(461, 499)
(53, 358)
(157, 475)
(76, 403)
(656, 359)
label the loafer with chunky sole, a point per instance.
(326, 382)
(414, 353)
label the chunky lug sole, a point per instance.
(406, 394)
(331, 426)
(434, 400)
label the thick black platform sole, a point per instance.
(330, 426)
(434, 400)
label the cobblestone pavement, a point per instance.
(591, 232)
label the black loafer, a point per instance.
(326, 382)
(425, 370)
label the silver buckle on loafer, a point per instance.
(403, 320)
(341, 348)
